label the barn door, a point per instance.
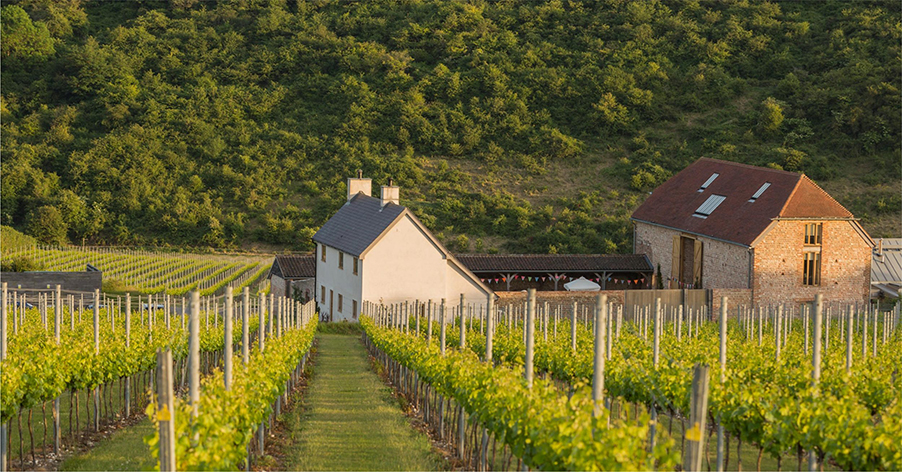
(675, 264)
(697, 265)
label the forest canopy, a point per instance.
(236, 122)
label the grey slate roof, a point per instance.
(357, 224)
(294, 266)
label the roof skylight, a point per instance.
(708, 182)
(759, 192)
(710, 205)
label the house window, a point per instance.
(322, 249)
(355, 266)
(340, 299)
(354, 307)
(813, 233)
(811, 272)
(341, 261)
(322, 297)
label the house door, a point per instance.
(331, 299)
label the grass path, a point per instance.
(123, 450)
(349, 420)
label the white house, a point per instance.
(374, 249)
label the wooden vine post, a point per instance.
(530, 335)
(849, 342)
(128, 343)
(490, 327)
(723, 378)
(245, 320)
(165, 410)
(96, 353)
(816, 363)
(4, 433)
(573, 328)
(194, 352)
(442, 328)
(601, 316)
(227, 333)
(57, 326)
(698, 415)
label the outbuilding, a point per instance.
(725, 225)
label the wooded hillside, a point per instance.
(520, 126)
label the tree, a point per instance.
(21, 37)
(47, 225)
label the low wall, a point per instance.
(507, 298)
(735, 297)
(69, 281)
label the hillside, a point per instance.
(513, 126)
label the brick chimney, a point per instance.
(359, 184)
(391, 193)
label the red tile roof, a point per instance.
(736, 219)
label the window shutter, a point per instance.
(675, 265)
(697, 264)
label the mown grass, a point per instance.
(123, 450)
(349, 419)
(342, 327)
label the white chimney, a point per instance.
(358, 185)
(391, 193)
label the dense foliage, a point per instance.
(850, 420)
(38, 369)
(519, 125)
(549, 430)
(218, 436)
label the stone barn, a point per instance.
(724, 225)
(293, 276)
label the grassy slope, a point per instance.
(349, 421)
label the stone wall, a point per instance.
(724, 265)
(845, 264)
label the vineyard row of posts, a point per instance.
(55, 348)
(767, 330)
(153, 271)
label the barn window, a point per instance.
(355, 266)
(354, 307)
(710, 205)
(708, 182)
(811, 271)
(340, 299)
(759, 192)
(813, 232)
(341, 260)
(322, 249)
(322, 298)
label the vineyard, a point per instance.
(149, 272)
(848, 415)
(92, 366)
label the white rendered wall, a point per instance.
(404, 265)
(340, 281)
(459, 283)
